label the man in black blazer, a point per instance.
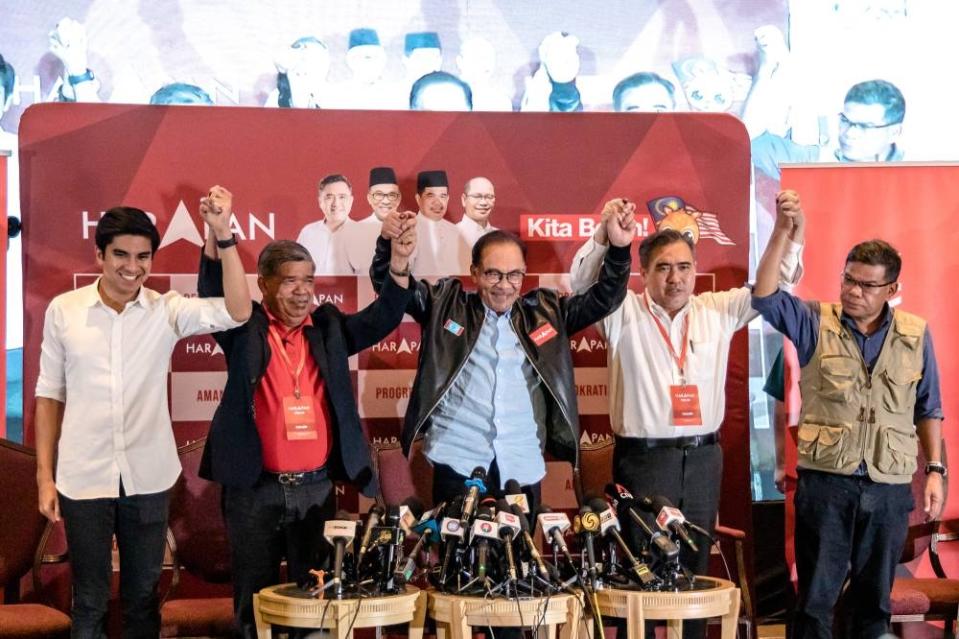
(287, 424)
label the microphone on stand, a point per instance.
(475, 486)
(509, 528)
(339, 532)
(484, 529)
(372, 521)
(554, 526)
(528, 540)
(669, 518)
(515, 495)
(587, 524)
(428, 528)
(625, 503)
(609, 525)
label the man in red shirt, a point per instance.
(287, 425)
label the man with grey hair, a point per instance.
(287, 425)
(478, 200)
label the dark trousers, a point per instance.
(139, 523)
(447, 484)
(266, 523)
(847, 525)
(691, 478)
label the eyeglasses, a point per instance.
(846, 123)
(379, 196)
(489, 197)
(492, 276)
(865, 287)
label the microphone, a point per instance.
(587, 524)
(373, 519)
(451, 530)
(671, 519)
(528, 540)
(428, 528)
(509, 528)
(484, 529)
(475, 486)
(515, 495)
(554, 525)
(339, 532)
(623, 499)
(609, 525)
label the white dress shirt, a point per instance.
(328, 248)
(361, 243)
(642, 368)
(110, 371)
(470, 232)
(437, 248)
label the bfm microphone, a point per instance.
(372, 521)
(625, 503)
(528, 540)
(609, 525)
(339, 532)
(515, 495)
(428, 528)
(554, 526)
(587, 525)
(451, 530)
(509, 528)
(484, 529)
(475, 486)
(669, 518)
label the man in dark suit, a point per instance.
(287, 424)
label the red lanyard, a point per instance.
(286, 360)
(681, 358)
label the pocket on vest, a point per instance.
(822, 444)
(896, 453)
(900, 386)
(838, 376)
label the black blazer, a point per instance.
(233, 455)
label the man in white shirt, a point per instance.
(667, 357)
(384, 198)
(478, 200)
(327, 239)
(437, 239)
(101, 414)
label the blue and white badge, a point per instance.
(453, 327)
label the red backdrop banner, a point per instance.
(552, 174)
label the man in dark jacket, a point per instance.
(494, 386)
(287, 424)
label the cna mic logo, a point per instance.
(188, 226)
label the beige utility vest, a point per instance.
(849, 415)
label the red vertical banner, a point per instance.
(914, 207)
(3, 294)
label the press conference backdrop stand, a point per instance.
(720, 599)
(287, 605)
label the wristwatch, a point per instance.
(937, 467)
(224, 244)
(86, 76)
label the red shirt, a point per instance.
(281, 454)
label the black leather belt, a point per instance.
(645, 443)
(296, 478)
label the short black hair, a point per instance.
(638, 80)
(125, 220)
(880, 92)
(438, 77)
(660, 239)
(333, 178)
(877, 253)
(180, 93)
(496, 237)
(279, 252)
(7, 77)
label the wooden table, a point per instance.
(286, 605)
(456, 615)
(721, 599)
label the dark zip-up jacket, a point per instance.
(445, 309)
(233, 455)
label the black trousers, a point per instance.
(139, 523)
(691, 478)
(266, 523)
(847, 525)
(447, 484)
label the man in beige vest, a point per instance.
(870, 395)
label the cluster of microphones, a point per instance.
(478, 545)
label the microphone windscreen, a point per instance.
(415, 504)
(478, 473)
(523, 522)
(598, 504)
(513, 487)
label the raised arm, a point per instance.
(767, 275)
(216, 209)
(589, 258)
